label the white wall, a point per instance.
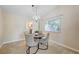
(14, 26)
(1, 27)
(69, 34)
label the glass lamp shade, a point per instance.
(36, 18)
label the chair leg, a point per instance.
(28, 50)
(44, 48)
(37, 49)
(47, 45)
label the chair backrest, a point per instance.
(30, 39)
(46, 37)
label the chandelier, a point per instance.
(36, 17)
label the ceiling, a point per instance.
(28, 10)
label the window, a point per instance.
(53, 24)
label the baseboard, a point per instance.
(1, 45)
(65, 46)
(9, 42)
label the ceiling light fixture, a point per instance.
(36, 17)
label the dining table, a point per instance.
(38, 37)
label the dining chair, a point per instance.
(44, 41)
(30, 42)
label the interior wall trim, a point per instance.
(9, 42)
(1, 45)
(65, 46)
